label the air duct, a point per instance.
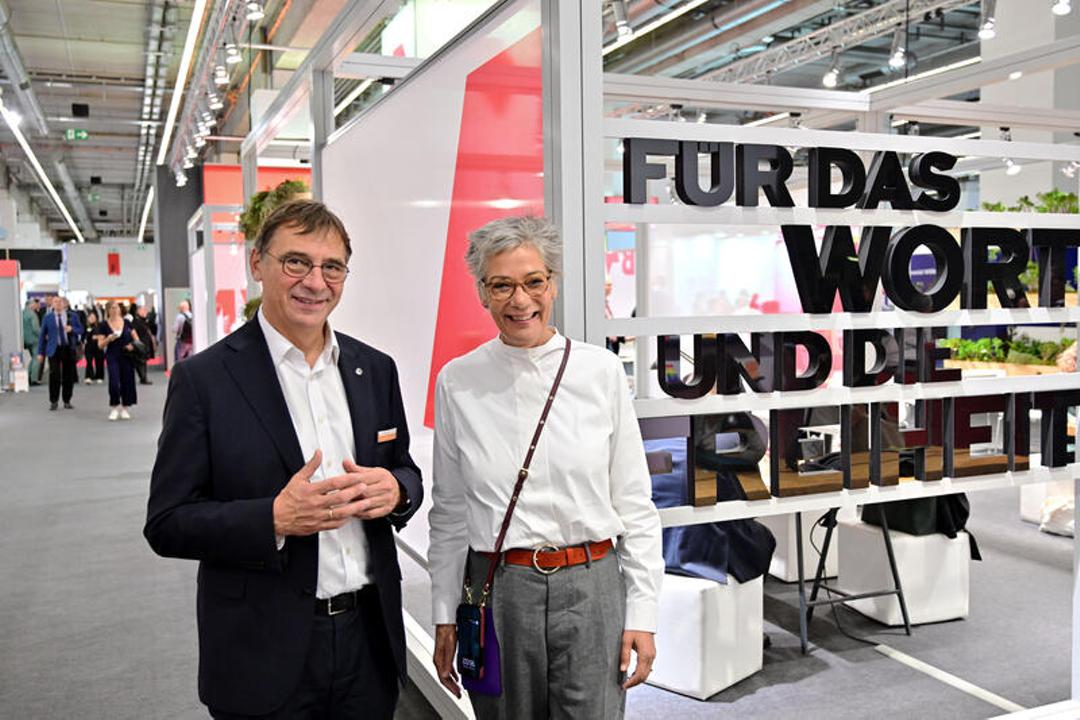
(12, 63)
(75, 200)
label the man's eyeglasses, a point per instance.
(504, 288)
(298, 266)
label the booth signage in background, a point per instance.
(843, 278)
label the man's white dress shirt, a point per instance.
(588, 481)
(320, 415)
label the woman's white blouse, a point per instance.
(588, 481)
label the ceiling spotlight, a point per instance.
(200, 141)
(232, 54)
(622, 20)
(254, 11)
(767, 39)
(1061, 7)
(1012, 168)
(187, 164)
(987, 29)
(1069, 171)
(898, 53)
(215, 102)
(181, 179)
(221, 76)
(702, 117)
(1016, 74)
(190, 152)
(832, 75)
(14, 117)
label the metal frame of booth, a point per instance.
(575, 89)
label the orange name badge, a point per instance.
(386, 435)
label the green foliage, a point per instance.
(252, 307)
(1020, 350)
(983, 349)
(264, 201)
(1053, 201)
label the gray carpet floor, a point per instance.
(94, 625)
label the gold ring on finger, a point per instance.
(330, 513)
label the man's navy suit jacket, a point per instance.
(49, 339)
(227, 447)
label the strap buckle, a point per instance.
(536, 560)
(330, 606)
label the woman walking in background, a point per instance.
(95, 358)
(117, 338)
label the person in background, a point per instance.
(182, 331)
(31, 325)
(60, 334)
(146, 337)
(95, 357)
(569, 604)
(115, 336)
(43, 307)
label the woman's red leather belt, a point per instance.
(549, 559)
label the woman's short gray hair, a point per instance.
(509, 233)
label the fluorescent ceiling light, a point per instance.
(146, 213)
(13, 123)
(181, 77)
(1016, 74)
(356, 92)
(658, 22)
(768, 120)
(928, 73)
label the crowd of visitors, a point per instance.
(113, 342)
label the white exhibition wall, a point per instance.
(394, 179)
(88, 268)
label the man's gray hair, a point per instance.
(510, 233)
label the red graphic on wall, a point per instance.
(499, 172)
(113, 259)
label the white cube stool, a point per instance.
(784, 565)
(933, 573)
(1032, 496)
(709, 635)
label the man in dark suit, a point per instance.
(299, 598)
(61, 332)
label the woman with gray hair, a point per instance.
(577, 590)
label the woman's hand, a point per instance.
(445, 646)
(644, 645)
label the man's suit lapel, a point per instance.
(252, 369)
(356, 377)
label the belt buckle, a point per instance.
(330, 611)
(536, 564)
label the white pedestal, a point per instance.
(784, 565)
(933, 572)
(1033, 495)
(709, 635)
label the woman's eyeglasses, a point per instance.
(503, 288)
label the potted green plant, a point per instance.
(1052, 201)
(258, 208)
(263, 202)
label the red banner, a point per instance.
(114, 263)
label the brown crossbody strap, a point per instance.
(524, 472)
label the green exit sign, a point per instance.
(94, 197)
(76, 134)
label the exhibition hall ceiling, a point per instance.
(102, 72)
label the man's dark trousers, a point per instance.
(62, 372)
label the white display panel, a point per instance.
(199, 301)
(391, 177)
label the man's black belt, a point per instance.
(343, 603)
